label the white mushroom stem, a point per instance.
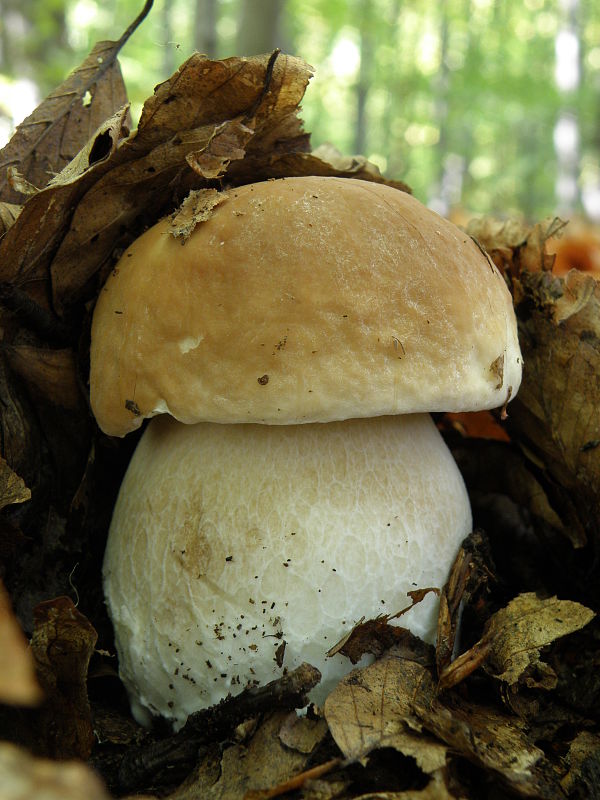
(228, 541)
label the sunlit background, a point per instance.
(480, 106)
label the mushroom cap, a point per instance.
(303, 300)
(229, 540)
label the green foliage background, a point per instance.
(427, 90)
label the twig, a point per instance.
(135, 24)
(297, 782)
(266, 85)
(214, 724)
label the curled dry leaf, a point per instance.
(583, 760)
(372, 708)
(12, 487)
(258, 764)
(18, 685)
(515, 246)
(197, 207)
(376, 635)
(331, 155)
(277, 164)
(54, 133)
(518, 632)
(557, 411)
(62, 644)
(24, 777)
(27, 248)
(556, 414)
(394, 703)
(226, 144)
(514, 637)
(51, 374)
(8, 214)
(20, 185)
(301, 733)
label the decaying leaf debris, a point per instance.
(507, 706)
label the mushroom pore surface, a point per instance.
(228, 541)
(303, 300)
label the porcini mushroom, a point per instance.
(238, 549)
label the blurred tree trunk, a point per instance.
(259, 26)
(441, 197)
(393, 91)
(365, 74)
(5, 49)
(205, 27)
(566, 131)
(169, 59)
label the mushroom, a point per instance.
(304, 332)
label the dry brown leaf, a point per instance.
(583, 761)
(12, 487)
(518, 632)
(376, 635)
(27, 248)
(18, 685)
(514, 636)
(62, 644)
(556, 414)
(226, 144)
(54, 133)
(372, 708)
(197, 207)
(343, 163)
(301, 733)
(19, 184)
(51, 374)
(394, 703)
(275, 164)
(495, 467)
(236, 118)
(8, 214)
(513, 245)
(534, 255)
(23, 777)
(259, 764)
(221, 90)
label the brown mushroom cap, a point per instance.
(303, 300)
